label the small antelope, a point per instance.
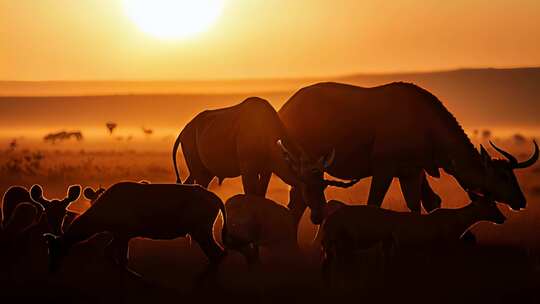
(156, 211)
(256, 221)
(352, 228)
(54, 210)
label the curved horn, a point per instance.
(286, 151)
(531, 160)
(341, 184)
(513, 161)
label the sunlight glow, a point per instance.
(173, 19)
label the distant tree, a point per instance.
(13, 144)
(147, 131)
(486, 134)
(519, 139)
(111, 126)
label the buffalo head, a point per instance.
(311, 174)
(500, 181)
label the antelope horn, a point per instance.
(531, 160)
(286, 151)
(513, 161)
(341, 184)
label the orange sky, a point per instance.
(94, 39)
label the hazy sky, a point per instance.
(94, 39)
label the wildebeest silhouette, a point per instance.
(155, 211)
(63, 135)
(249, 140)
(358, 227)
(395, 130)
(54, 210)
(254, 222)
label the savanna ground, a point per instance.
(503, 268)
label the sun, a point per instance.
(173, 19)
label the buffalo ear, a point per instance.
(328, 159)
(36, 194)
(90, 194)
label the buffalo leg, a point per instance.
(264, 180)
(379, 186)
(204, 179)
(190, 180)
(326, 266)
(117, 251)
(430, 199)
(211, 249)
(251, 253)
(296, 205)
(411, 189)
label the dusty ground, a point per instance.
(504, 267)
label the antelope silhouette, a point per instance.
(155, 211)
(53, 210)
(352, 228)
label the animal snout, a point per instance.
(317, 218)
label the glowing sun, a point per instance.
(173, 19)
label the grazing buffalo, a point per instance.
(54, 210)
(395, 130)
(156, 211)
(249, 140)
(352, 228)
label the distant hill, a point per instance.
(477, 97)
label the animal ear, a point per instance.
(327, 160)
(74, 191)
(36, 194)
(90, 194)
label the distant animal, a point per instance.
(63, 135)
(249, 140)
(147, 131)
(53, 210)
(254, 222)
(395, 130)
(352, 228)
(155, 211)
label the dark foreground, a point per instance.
(169, 269)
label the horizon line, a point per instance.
(291, 78)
